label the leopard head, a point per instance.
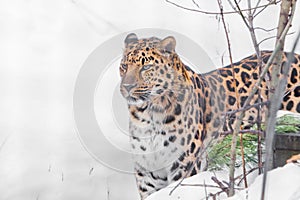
(148, 68)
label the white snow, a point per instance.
(282, 183)
(191, 192)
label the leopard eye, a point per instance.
(123, 68)
(146, 67)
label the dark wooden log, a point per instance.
(285, 145)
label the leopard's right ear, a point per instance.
(168, 44)
(130, 38)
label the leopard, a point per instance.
(175, 113)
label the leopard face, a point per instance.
(145, 69)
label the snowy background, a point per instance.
(43, 45)
(282, 184)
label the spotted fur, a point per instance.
(174, 111)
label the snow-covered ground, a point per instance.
(282, 183)
(43, 46)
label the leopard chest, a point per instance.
(155, 139)
(160, 138)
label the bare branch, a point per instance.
(255, 15)
(227, 35)
(292, 88)
(257, 4)
(243, 160)
(263, 29)
(248, 131)
(272, 37)
(242, 176)
(232, 6)
(205, 190)
(241, 13)
(194, 2)
(199, 185)
(247, 107)
(250, 25)
(261, 10)
(230, 191)
(223, 187)
(216, 13)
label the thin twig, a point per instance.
(196, 4)
(259, 66)
(230, 191)
(205, 190)
(247, 107)
(241, 14)
(263, 29)
(272, 37)
(251, 29)
(291, 89)
(243, 160)
(253, 35)
(221, 185)
(199, 185)
(232, 6)
(242, 176)
(262, 9)
(249, 131)
(259, 141)
(216, 13)
(257, 4)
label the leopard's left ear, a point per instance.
(168, 44)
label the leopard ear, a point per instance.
(130, 38)
(168, 44)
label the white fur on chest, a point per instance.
(150, 149)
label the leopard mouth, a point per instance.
(135, 95)
(135, 99)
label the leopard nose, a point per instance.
(128, 87)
